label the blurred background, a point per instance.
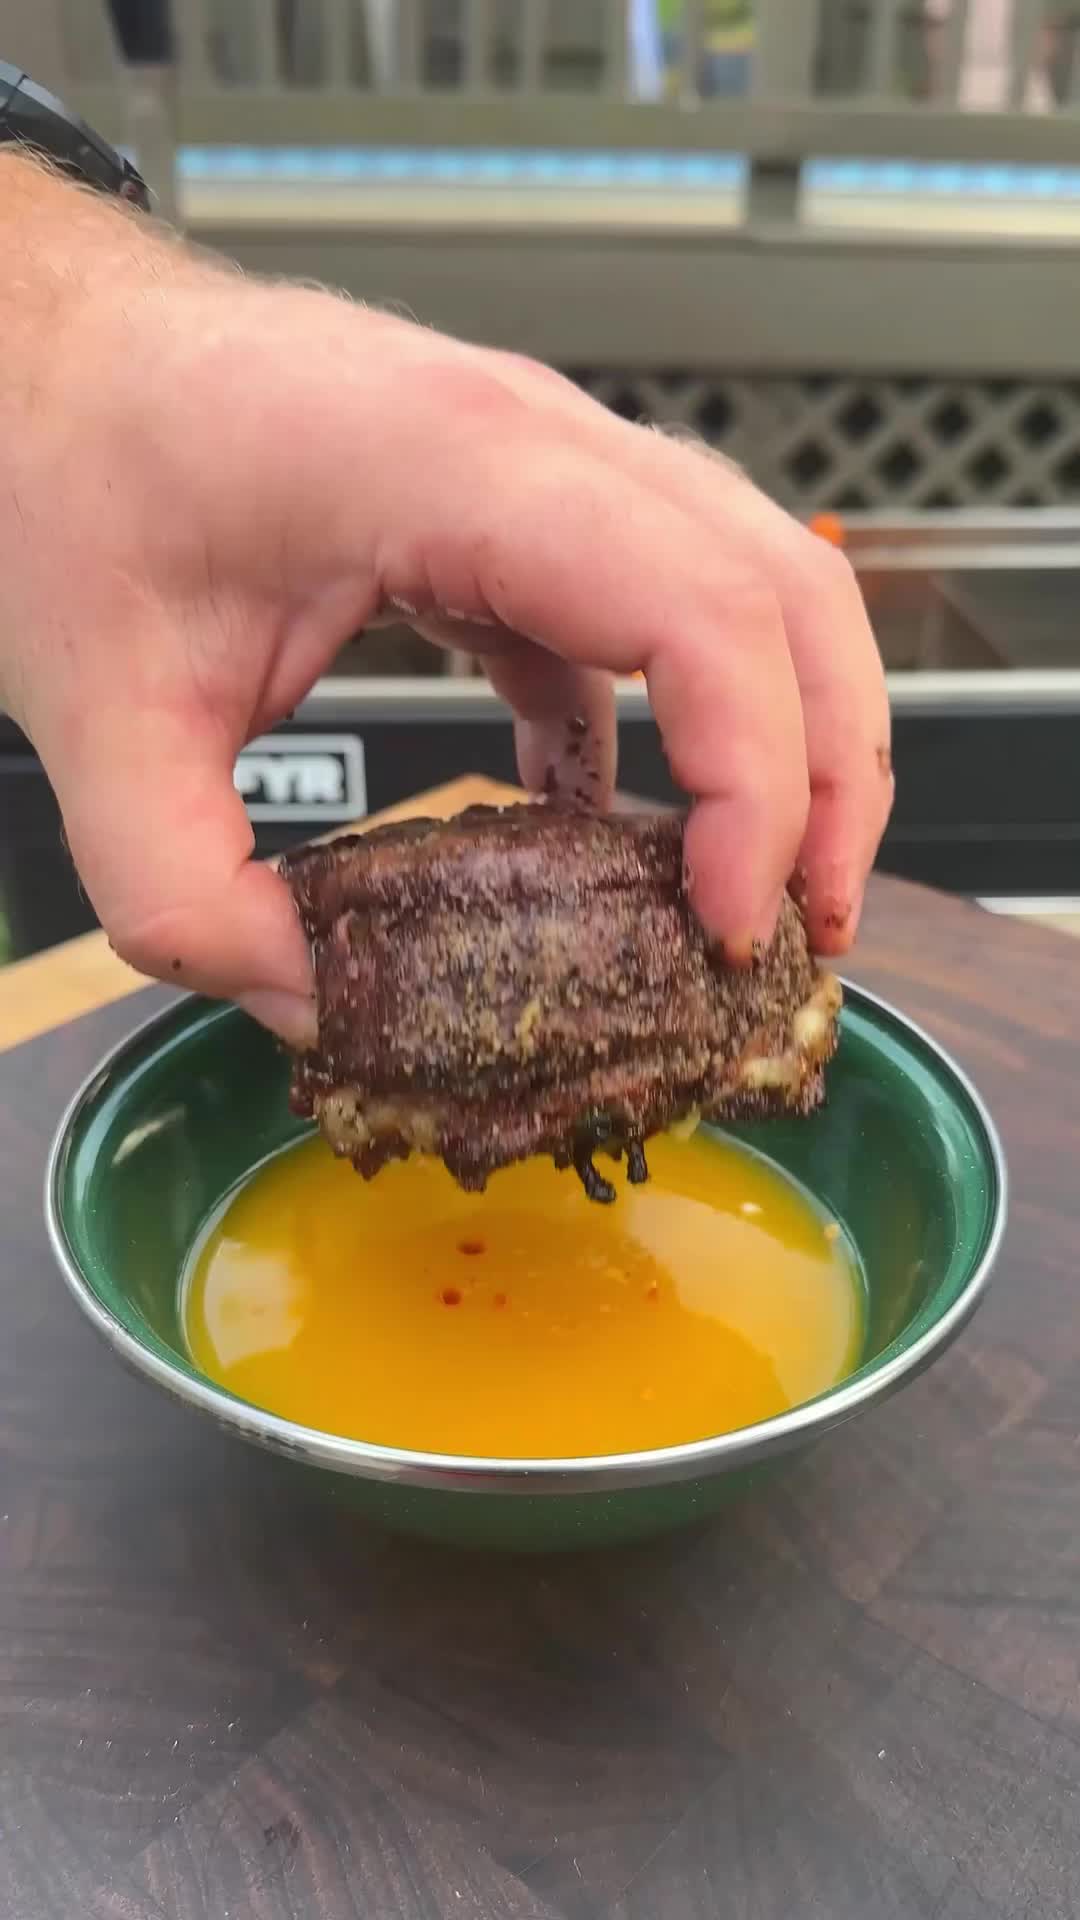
(839, 239)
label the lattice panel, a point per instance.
(829, 441)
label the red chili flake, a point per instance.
(471, 1246)
(451, 1296)
(652, 1293)
(499, 1300)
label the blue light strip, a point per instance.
(452, 166)
(931, 180)
(704, 173)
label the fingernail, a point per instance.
(835, 916)
(541, 749)
(750, 946)
(559, 759)
(858, 899)
(289, 1015)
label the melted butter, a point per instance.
(527, 1321)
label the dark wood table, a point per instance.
(855, 1697)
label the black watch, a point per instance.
(37, 119)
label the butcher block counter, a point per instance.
(857, 1694)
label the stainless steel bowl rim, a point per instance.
(603, 1473)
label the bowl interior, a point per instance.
(900, 1154)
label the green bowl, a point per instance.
(903, 1154)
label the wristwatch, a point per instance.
(37, 119)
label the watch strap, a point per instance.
(34, 117)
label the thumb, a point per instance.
(164, 848)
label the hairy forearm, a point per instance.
(62, 244)
(72, 255)
(82, 273)
(57, 241)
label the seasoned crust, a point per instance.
(530, 980)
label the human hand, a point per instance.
(217, 481)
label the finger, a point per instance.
(163, 846)
(743, 836)
(564, 715)
(844, 695)
(564, 726)
(841, 678)
(606, 573)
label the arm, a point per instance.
(212, 482)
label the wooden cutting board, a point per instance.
(857, 1696)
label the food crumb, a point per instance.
(523, 1030)
(832, 1232)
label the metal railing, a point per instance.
(936, 50)
(876, 79)
(940, 54)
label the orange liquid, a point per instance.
(528, 1321)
